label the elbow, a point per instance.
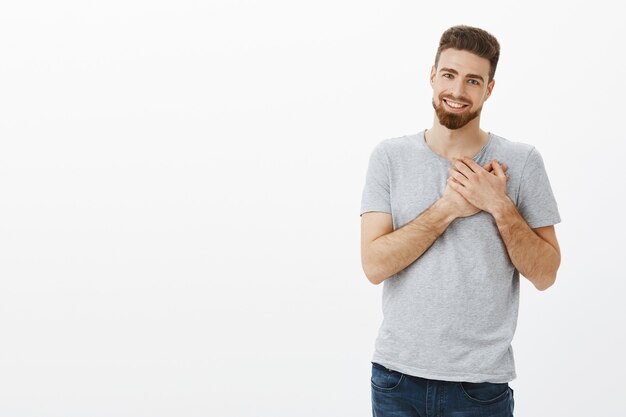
(372, 270)
(548, 278)
(369, 266)
(541, 281)
(545, 282)
(372, 275)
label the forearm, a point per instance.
(395, 251)
(533, 257)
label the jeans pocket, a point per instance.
(384, 379)
(485, 392)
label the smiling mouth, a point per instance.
(454, 105)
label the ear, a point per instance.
(490, 88)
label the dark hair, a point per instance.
(474, 40)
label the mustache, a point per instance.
(458, 100)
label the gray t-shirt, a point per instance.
(451, 315)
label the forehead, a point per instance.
(464, 62)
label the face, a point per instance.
(460, 87)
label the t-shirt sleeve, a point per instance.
(536, 202)
(376, 195)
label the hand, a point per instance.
(460, 206)
(482, 189)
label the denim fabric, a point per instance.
(395, 394)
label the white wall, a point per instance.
(180, 185)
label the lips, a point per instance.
(454, 103)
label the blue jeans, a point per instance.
(400, 395)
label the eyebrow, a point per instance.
(453, 71)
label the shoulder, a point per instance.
(515, 152)
(512, 146)
(396, 146)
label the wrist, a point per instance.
(501, 206)
(446, 209)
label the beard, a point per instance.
(454, 120)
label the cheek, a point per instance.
(478, 100)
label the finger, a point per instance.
(455, 185)
(504, 166)
(498, 169)
(463, 168)
(489, 166)
(471, 164)
(457, 176)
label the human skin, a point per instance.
(534, 257)
(385, 251)
(462, 77)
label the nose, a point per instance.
(458, 88)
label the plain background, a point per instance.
(180, 186)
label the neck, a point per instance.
(465, 141)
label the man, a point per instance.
(450, 217)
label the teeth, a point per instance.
(455, 105)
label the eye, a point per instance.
(476, 82)
(447, 73)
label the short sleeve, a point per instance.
(376, 194)
(536, 202)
